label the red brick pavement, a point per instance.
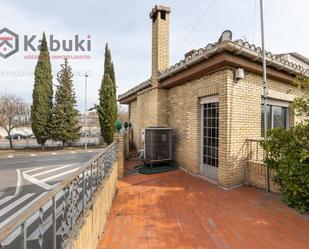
(176, 211)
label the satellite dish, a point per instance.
(226, 36)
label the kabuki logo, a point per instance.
(8, 43)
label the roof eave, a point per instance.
(240, 48)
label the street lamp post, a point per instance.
(86, 138)
(265, 92)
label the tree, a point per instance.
(107, 108)
(301, 104)
(64, 125)
(41, 109)
(288, 153)
(13, 114)
(113, 78)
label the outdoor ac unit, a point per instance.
(158, 144)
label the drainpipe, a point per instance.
(265, 93)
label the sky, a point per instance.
(126, 26)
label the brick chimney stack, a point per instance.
(160, 40)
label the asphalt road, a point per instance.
(26, 178)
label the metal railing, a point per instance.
(53, 220)
(255, 152)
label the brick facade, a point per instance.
(239, 118)
(175, 103)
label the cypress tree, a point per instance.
(42, 96)
(113, 78)
(107, 108)
(64, 125)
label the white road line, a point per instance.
(19, 182)
(33, 218)
(14, 204)
(61, 174)
(54, 153)
(37, 182)
(9, 219)
(73, 152)
(46, 225)
(52, 170)
(34, 169)
(6, 199)
(32, 154)
(10, 156)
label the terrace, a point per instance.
(176, 210)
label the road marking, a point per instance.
(54, 153)
(37, 182)
(6, 199)
(19, 182)
(52, 170)
(10, 156)
(9, 219)
(61, 174)
(14, 204)
(47, 223)
(32, 154)
(33, 218)
(72, 152)
(34, 169)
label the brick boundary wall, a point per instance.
(255, 176)
(95, 218)
(120, 139)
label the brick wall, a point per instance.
(134, 119)
(160, 46)
(256, 176)
(239, 118)
(184, 116)
(95, 218)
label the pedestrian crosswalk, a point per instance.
(12, 206)
(46, 178)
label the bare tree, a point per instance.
(123, 113)
(13, 114)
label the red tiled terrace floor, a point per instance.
(177, 211)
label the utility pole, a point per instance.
(86, 137)
(265, 92)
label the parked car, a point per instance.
(16, 136)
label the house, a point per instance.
(213, 100)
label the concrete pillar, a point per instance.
(120, 147)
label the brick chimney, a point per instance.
(160, 40)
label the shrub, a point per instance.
(288, 154)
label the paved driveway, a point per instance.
(177, 211)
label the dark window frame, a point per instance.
(270, 123)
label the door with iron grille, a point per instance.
(209, 137)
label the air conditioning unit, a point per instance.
(158, 144)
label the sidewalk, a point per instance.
(46, 152)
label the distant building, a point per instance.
(93, 125)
